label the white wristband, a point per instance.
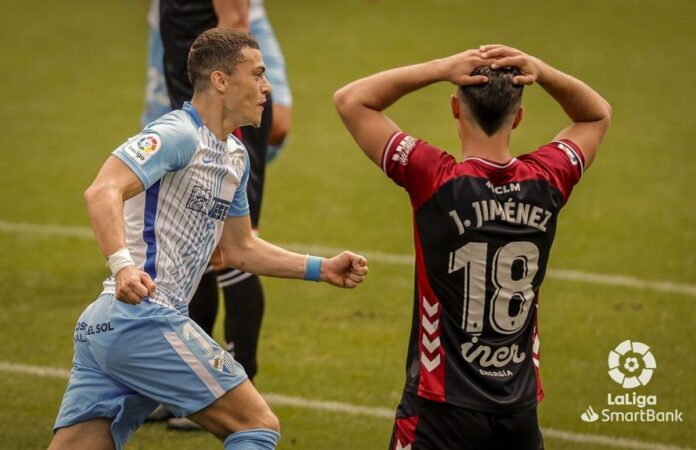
(118, 260)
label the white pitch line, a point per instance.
(45, 229)
(371, 411)
(392, 258)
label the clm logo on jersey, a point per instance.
(143, 147)
(201, 200)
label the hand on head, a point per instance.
(505, 56)
(458, 68)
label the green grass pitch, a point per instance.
(72, 87)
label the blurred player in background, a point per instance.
(243, 293)
(159, 206)
(483, 230)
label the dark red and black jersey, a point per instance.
(483, 232)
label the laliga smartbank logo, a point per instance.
(631, 365)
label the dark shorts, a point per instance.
(424, 424)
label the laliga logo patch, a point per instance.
(631, 364)
(144, 146)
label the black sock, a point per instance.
(204, 304)
(243, 314)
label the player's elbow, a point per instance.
(342, 101)
(235, 256)
(610, 111)
(94, 193)
(606, 112)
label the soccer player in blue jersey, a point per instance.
(159, 206)
(483, 230)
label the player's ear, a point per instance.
(454, 106)
(219, 81)
(519, 115)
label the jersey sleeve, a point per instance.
(240, 202)
(562, 162)
(415, 165)
(164, 146)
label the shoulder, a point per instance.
(560, 162)
(405, 150)
(177, 127)
(561, 154)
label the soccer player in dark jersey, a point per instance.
(483, 229)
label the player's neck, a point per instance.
(494, 148)
(213, 115)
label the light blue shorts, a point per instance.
(157, 101)
(129, 358)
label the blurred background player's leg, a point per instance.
(156, 98)
(260, 28)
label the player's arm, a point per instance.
(361, 103)
(590, 113)
(115, 183)
(242, 250)
(232, 14)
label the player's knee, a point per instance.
(270, 422)
(265, 420)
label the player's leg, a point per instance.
(241, 409)
(277, 77)
(93, 434)
(202, 380)
(244, 305)
(156, 97)
(97, 411)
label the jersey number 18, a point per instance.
(514, 266)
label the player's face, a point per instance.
(249, 89)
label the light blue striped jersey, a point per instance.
(192, 181)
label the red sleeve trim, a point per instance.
(569, 146)
(385, 152)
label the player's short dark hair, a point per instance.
(216, 49)
(493, 102)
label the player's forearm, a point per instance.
(232, 14)
(105, 208)
(381, 90)
(579, 101)
(259, 257)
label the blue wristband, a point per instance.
(312, 268)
